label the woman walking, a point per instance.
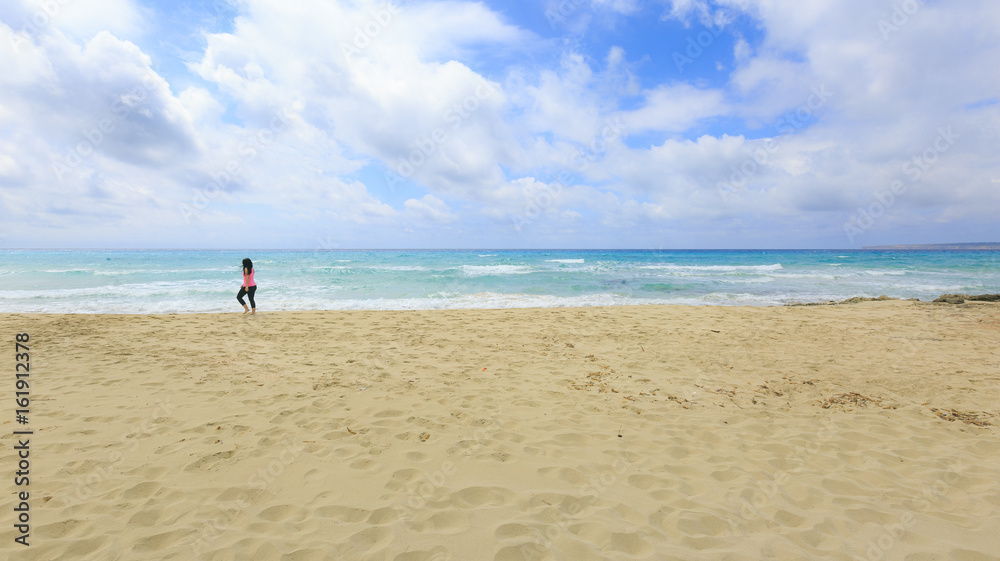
(248, 288)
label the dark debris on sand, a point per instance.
(944, 298)
(854, 300)
(977, 419)
(853, 398)
(963, 298)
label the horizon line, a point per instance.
(888, 247)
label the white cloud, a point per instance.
(201, 105)
(703, 11)
(79, 19)
(431, 209)
(674, 109)
(449, 29)
(373, 88)
(742, 51)
(108, 81)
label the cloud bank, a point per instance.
(688, 123)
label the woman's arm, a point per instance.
(244, 278)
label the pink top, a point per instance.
(248, 279)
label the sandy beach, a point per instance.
(861, 431)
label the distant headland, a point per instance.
(985, 246)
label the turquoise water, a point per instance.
(207, 281)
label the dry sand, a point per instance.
(864, 431)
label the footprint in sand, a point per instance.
(146, 517)
(450, 521)
(646, 482)
(158, 542)
(311, 554)
(567, 475)
(404, 479)
(364, 464)
(579, 506)
(369, 540)
(629, 543)
(513, 530)
(439, 553)
(530, 550)
(313, 477)
(251, 496)
(170, 448)
(278, 513)
(81, 548)
(383, 516)
(209, 462)
(476, 497)
(418, 457)
(64, 529)
(143, 490)
(697, 524)
(343, 513)
(591, 532)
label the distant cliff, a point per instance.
(940, 247)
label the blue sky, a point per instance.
(453, 124)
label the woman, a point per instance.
(248, 288)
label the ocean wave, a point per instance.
(715, 268)
(131, 293)
(939, 289)
(878, 273)
(359, 267)
(494, 270)
(396, 268)
(165, 271)
(823, 276)
(568, 261)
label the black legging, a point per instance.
(245, 292)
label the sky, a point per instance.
(660, 124)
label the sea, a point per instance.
(183, 281)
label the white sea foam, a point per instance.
(938, 289)
(888, 273)
(360, 267)
(398, 268)
(824, 276)
(174, 300)
(491, 270)
(191, 271)
(125, 291)
(714, 268)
